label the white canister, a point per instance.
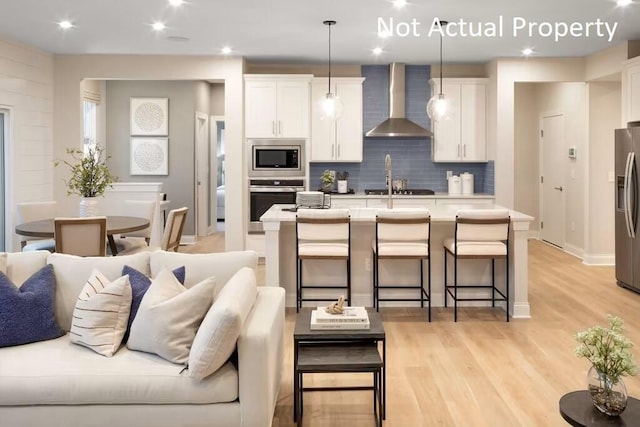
(467, 183)
(455, 185)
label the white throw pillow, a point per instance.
(216, 339)
(169, 316)
(101, 314)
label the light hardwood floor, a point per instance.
(480, 371)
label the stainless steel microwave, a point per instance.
(276, 158)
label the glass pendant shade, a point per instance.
(331, 107)
(437, 107)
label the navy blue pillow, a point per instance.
(139, 285)
(27, 314)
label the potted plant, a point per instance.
(90, 176)
(327, 178)
(610, 355)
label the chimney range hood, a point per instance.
(397, 126)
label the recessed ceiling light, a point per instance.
(399, 3)
(226, 50)
(624, 2)
(65, 25)
(376, 51)
(527, 52)
(176, 3)
(158, 26)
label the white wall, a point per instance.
(71, 69)
(26, 90)
(604, 117)
(526, 142)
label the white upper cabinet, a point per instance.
(631, 91)
(277, 106)
(339, 140)
(462, 135)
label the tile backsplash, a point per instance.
(411, 157)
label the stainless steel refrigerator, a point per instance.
(627, 147)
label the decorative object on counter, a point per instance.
(399, 185)
(437, 107)
(467, 183)
(331, 106)
(610, 355)
(90, 177)
(310, 199)
(149, 116)
(328, 178)
(343, 182)
(455, 185)
(336, 307)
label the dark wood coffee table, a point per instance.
(577, 409)
(339, 351)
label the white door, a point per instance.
(349, 126)
(473, 129)
(323, 132)
(260, 110)
(202, 174)
(293, 109)
(552, 179)
(447, 131)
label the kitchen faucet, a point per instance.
(387, 169)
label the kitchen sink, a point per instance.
(408, 192)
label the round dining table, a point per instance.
(115, 225)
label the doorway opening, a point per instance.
(217, 160)
(4, 140)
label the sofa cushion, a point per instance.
(73, 271)
(22, 265)
(140, 283)
(201, 266)
(169, 316)
(59, 372)
(101, 314)
(220, 329)
(27, 311)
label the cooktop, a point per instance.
(408, 192)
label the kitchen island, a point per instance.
(280, 259)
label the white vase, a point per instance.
(342, 186)
(88, 206)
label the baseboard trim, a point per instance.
(599, 259)
(190, 239)
(534, 234)
(574, 250)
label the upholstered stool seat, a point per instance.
(322, 234)
(479, 234)
(402, 234)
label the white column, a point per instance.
(518, 270)
(272, 253)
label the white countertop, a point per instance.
(445, 213)
(361, 195)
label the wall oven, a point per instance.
(266, 192)
(276, 158)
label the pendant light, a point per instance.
(331, 105)
(437, 107)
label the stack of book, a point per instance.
(351, 318)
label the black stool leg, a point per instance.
(445, 279)
(349, 281)
(455, 288)
(298, 284)
(493, 282)
(421, 284)
(507, 281)
(429, 286)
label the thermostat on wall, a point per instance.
(572, 152)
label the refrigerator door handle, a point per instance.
(632, 194)
(627, 196)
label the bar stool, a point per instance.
(479, 234)
(322, 234)
(403, 234)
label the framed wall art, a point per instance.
(149, 116)
(149, 156)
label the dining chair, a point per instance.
(81, 236)
(138, 208)
(35, 211)
(173, 230)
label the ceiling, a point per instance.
(291, 31)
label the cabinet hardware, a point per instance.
(464, 151)
(558, 188)
(279, 127)
(458, 152)
(273, 127)
(332, 146)
(338, 150)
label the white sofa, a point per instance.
(57, 383)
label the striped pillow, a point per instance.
(101, 314)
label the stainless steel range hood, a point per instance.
(397, 126)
